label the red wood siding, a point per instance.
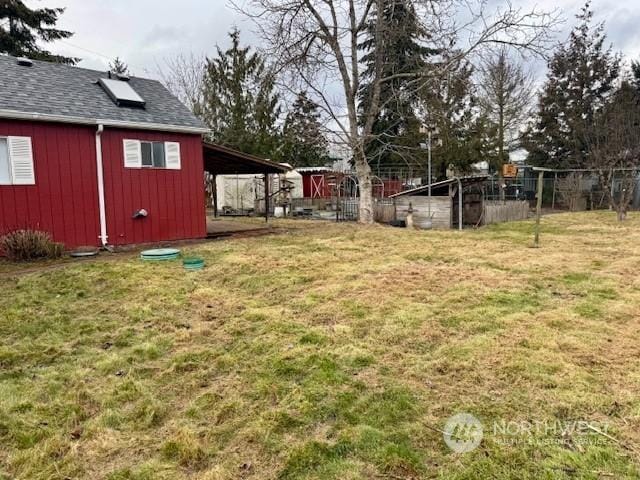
(64, 200)
(315, 185)
(391, 187)
(174, 199)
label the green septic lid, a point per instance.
(189, 260)
(193, 263)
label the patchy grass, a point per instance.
(330, 352)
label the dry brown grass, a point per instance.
(331, 351)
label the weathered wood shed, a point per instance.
(446, 197)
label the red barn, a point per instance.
(97, 159)
(317, 182)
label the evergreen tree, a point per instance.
(395, 135)
(240, 104)
(22, 27)
(635, 75)
(119, 67)
(303, 144)
(451, 107)
(582, 75)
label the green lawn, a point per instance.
(330, 352)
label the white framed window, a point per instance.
(153, 154)
(16, 161)
(146, 154)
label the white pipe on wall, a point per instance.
(100, 176)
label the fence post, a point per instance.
(536, 241)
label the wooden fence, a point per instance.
(384, 210)
(509, 211)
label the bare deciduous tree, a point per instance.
(571, 190)
(183, 75)
(615, 148)
(316, 41)
(506, 96)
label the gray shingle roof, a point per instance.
(61, 90)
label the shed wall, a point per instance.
(64, 199)
(315, 185)
(440, 209)
(174, 199)
(237, 191)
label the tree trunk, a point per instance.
(365, 185)
(501, 147)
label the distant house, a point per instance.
(95, 158)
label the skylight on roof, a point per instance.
(121, 93)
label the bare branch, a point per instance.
(317, 41)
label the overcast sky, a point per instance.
(145, 32)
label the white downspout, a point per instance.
(101, 203)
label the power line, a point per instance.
(86, 50)
(106, 57)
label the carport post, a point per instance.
(266, 197)
(215, 196)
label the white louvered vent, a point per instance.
(21, 155)
(172, 152)
(132, 154)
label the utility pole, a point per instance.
(427, 146)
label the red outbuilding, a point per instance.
(317, 182)
(97, 159)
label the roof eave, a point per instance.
(270, 166)
(45, 117)
(424, 188)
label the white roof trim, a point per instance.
(45, 117)
(315, 169)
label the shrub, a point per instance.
(25, 244)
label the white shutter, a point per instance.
(21, 158)
(132, 154)
(172, 153)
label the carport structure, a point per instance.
(219, 160)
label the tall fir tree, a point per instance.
(21, 28)
(303, 143)
(395, 135)
(582, 76)
(240, 103)
(452, 108)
